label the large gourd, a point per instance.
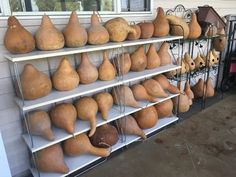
(64, 116)
(189, 92)
(161, 25)
(123, 63)
(40, 124)
(147, 29)
(106, 71)
(164, 54)
(51, 159)
(182, 102)
(65, 77)
(48, 37)
(219, 42)
(164, 109)
(80, 145)
(75, 35)
(34, 83)
(153, 59)
(105, 102)
(147, 117)
(199, 62)
(17, 39)
(118, 29)
(198, 88)
(194, 28)
(88, 73)
(154, 88)
(138, 59)
(189, 61)
(134, 36)
(97, 34)
(140, 93)
(87, 109)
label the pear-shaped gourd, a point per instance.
(217, 59)
(154, 88)
(40, 124)
(106, 70)
(147, 117)
(138, 59)
(105, 136)
(75, 35)
(211, 59)
(34, 83)
(123, 63)
(136, 35)
(65, 77)
(140, 93)
(189, 92)
(189, 61)
(129, 126)
(178, 27)
(153, 59)
(183, 69)
(198, 88)
(164, 109)
(219, 42)
(105, 102)
(147, 29)
(194, 28)
(123, 95)
(48, 37)
(17, 39)
(87, 109)
(118, 29)
(161, 24)
(199, 62)
(88, 73)
(51, 159)
(182, 102)
(64, 116)
(209, 88)
(80, 145)
(164, 54)
(97, 34)
(187, 68)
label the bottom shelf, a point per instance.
(76, 163)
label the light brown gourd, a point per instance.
(123, 95)
(189, 61)
(199, 62)
(75, 35)
(136, 35)
(87, 109)
(48, 37)
(194, 28)
(140, 93)
(210, 59)
(80, 145)
(138, 59)
(147, 29)
(50, 159)
(40, 124)
(17, 39)
(105, 102)
(153, 59)
(198, 89)
(129, 126)
(88, 73)
(106, 71)
(97, 34)
(161, 25)
(164, 54)
(219, 42)
(147, 117)
(217, 59)
(123, 63)
(209, 88)
(154, 88)
(64, 116)
(181, 63)
(183, 103)
(187, 68)
(164, 109)
(171, 74)
(188, 92)
(34, 83)
(65, 78)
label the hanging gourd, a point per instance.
(217, 58)
(181, 63)
(164, 54)
(189, 92)
(219, 42)
(182, 102)
(210, 92)
(198, 89)
(199, 62)
(147, 29)
(137, 34)
(122, 63)
(138, 59)
(189, 61)
(154, 88)
(140, 93)
(210, 59)
(153, 59)
(164, 109)
(161, 24)
(194, 27)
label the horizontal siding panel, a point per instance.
(7, 101)
(6, 86)
(8, 116)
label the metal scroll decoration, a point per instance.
(180, 11)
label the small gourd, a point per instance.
(137, 34)
(182, 70)
(216, 56)
(164, 54)
(194, 27)
(199, 62)
(147, 29)
(138, 59)
(182, 102)
(210, 59)
(210, 92)
(153, 59)
(189, 61)
(219, 42)
(189, 92)
(198, 88)
(161, 25)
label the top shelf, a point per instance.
(37, 54)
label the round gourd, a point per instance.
(164, 109)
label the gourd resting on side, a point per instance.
(154, 88)
(140, 93)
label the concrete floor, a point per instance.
(201, 146)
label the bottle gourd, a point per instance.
(161, 25)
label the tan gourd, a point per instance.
(106, 71)
(194, 28)
(105, 102)
(178, 27)
(118, 29)
(182, 101)
(154, 88)
(161, 25)
(164, 54)
(64, 116)
(75, 35)
(210, 59)
(137, 34)
(123, 95)
(40, 124)
(189, 92)
(17, 39)
(147, 117)
(187, 67)
(65, 77)
(198, 88)
(34, 83)
(199, 62)
(189, 61)
(171, 74)
(209, 88)
(138, 59)
(140, 93)
(80, 145)
(50, 159)
(48, 37)
(164, 109)
(123, 63)
(97, 34)
(219, 42)
(165, 84)
(129, 126)
(147, 29)
(183, 69)
(88, 73)
(153, 59)
(217, 59)
(87, 109)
